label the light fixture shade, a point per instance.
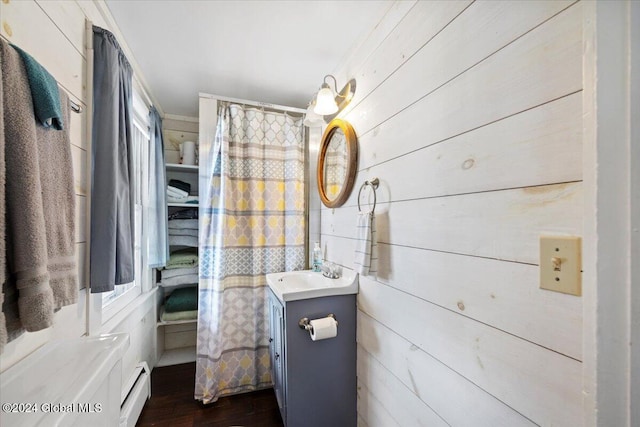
(325, 102)
(311, 119)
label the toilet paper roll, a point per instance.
(188, 151)
(324, 328)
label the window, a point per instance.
(122, 295)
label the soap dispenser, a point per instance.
(317, 257)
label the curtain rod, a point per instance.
(254, 103)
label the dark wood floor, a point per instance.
(172, 404)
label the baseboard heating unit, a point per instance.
(134, 395)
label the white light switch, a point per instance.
(561, 264)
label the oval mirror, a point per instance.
(337, 163)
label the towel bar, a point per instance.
(374, 185)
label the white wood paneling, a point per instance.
(29, 27)
(459, 46)
(407, 408)
(361, 49)
(536, 147)
(423, 22)
(505, 295)
(374, 411)
(81, 219)
(79, 158)
(497, 362)
(69, 18)
(456, 399)
(543, 65)
(498, 224)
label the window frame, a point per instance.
(115, 301)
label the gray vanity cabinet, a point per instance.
(314, 381)
(276, 349)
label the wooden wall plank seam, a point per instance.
(395, 396)
(455, 398)
(501, 224)
(541, 384)
(493, 157)
(477, 97)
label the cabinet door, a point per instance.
(276, 350)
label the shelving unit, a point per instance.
(177, 339)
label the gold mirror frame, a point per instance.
(352, 162)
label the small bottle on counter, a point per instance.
(317, 257)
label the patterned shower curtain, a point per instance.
(254, 225)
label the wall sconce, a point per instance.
(311, 119)
(328, 102)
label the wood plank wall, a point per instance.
(470, 114)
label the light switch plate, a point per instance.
(561, 264)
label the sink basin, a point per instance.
(297, 285)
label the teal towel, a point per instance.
(44, 92)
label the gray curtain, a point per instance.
(112, 191)
(158, 243)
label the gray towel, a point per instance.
(59, 201)
(26, 233)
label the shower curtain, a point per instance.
(254, 224)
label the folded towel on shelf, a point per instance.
(184, 258)
(188, 199)
(177, 316)
(187, 279)
(184, 186)
(176, 192)
(184, 224)
(366, 255)
(188, 213)
(44, 92)
(190, 241)
(183, 299)
(183, 232)
(175, 272)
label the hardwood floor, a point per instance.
(172, 404)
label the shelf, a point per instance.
(175, 322)
(183, 205)
(177, 356)
(175, 167)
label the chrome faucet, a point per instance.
(331, 270)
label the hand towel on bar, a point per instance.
(44, 92)
(366, 256)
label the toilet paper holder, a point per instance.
(304, 322)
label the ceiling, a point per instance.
(270, 51)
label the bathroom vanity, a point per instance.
(314, 381)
